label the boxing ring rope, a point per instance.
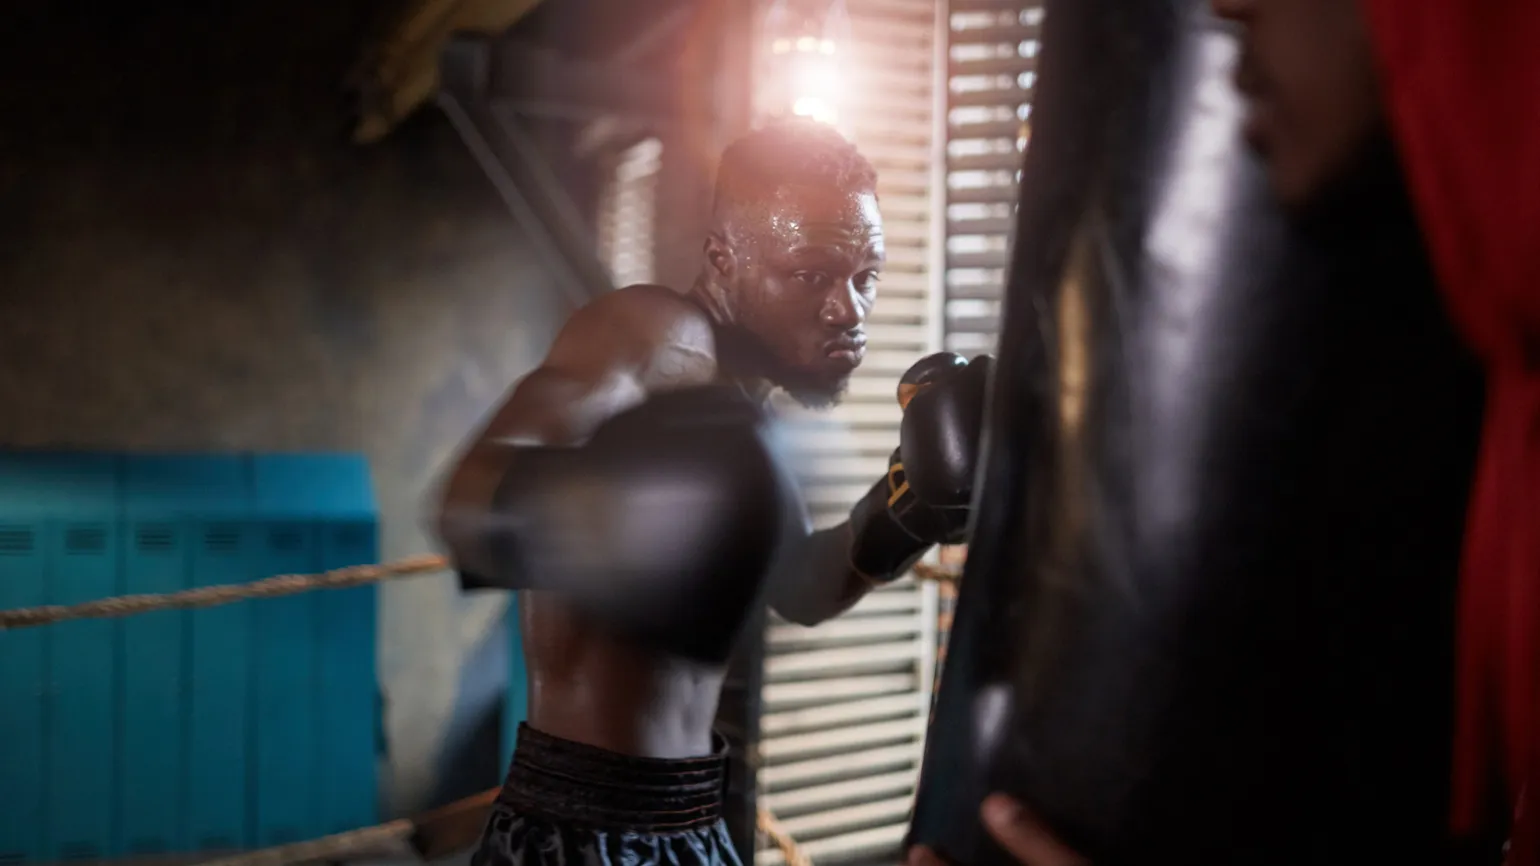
(366, 839)
(339, 845)
(925, 572)
(211, 596)
(790, 850)
(270, 587)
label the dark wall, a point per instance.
(192, 256)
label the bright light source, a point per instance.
(813, 83)
(814, 108)
(812, 78)
(801, 72)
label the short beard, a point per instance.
(809, 389)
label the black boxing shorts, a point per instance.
(569, 803)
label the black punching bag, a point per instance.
(1207, 611)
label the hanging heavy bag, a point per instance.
(1207, 608)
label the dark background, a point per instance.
(194, 256)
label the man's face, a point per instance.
(1307, 69)
(804, 274)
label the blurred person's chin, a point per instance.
(1336, 202)
(815, 389)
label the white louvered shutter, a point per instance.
(991, 70)
(845, 703)
(628, 213)
(992, 66)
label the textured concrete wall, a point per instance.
(192, 257)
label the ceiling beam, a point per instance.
(522, 177)
(653, 37)
(399, 71)
(539, 81)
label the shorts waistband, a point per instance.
(565, 781)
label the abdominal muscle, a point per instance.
(589, 686)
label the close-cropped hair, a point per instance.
(790, 152)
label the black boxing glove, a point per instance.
(940, 432)
(664, 525)
(923, 500)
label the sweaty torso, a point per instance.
(595, 687)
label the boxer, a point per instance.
(1437, 96)
(638, 446)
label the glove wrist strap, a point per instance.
(883, 546)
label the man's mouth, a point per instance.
(848, 351)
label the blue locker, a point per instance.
(216, 729)
(80, 498)
(334, 494)
(23, 672)
(162, 497)
(285, 690)
(219, 705)
(516, 703)
(350, 710)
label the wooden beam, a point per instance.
(400, 71)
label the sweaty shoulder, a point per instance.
(655, 332)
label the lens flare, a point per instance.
(814, 108)
(814, 82)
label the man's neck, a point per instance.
(737, 360)
(702, 295)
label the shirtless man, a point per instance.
(618, 762)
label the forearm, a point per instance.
(817, 582)
(467, 499)
(466, 503)
(891, 527)
(546, 410)
(820, 580)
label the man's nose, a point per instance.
(843, 309)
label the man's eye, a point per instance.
(812, 279)
(867, 281)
